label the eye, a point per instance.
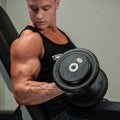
(34, 8)
(46, 8)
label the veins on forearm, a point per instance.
(37, 93)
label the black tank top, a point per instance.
(52, 53)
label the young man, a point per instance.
(33, 56)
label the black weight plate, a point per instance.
(74, 68)
(94, 94)
(73, 88)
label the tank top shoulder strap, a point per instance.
(28, 27)
(31, 28)
(64, 34)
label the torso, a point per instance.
(54, 43)
(53, 47)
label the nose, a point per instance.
(39, 15)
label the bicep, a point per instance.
(25, 69)
(25, 54)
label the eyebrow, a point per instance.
(33, 6)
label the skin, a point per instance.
(27, 50)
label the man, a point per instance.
(33, 55)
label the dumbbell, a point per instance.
(78, 74)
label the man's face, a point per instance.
(43, 12)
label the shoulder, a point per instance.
(28, 44)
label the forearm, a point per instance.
(37, 93)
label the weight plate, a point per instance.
(92, 95)
(73, 71)
(60, 75)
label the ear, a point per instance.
(57, 3)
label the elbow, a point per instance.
(21, 96)
(20, 101)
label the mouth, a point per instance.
(40, 23)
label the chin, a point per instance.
(41, 27)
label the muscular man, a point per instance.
(33, 55)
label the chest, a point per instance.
(56, 37)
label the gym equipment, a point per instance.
(77, 72)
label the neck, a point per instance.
(53, 25)
(50, 28)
